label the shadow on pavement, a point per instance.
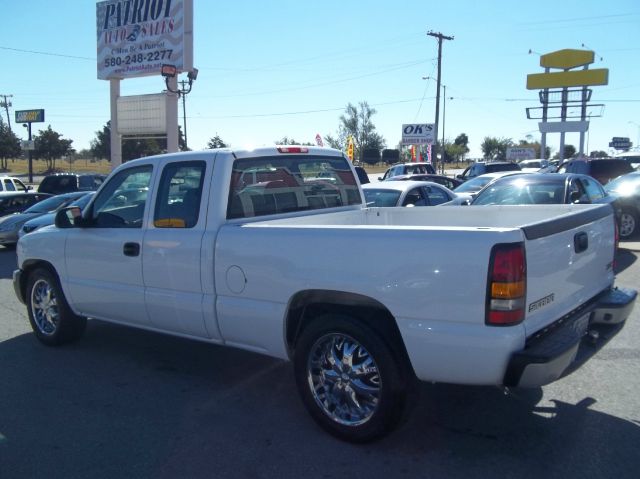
(129, 403)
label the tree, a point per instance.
(569, 152)
(598, 154)
(459, 148)
(356, 122)
(216, 142)
(131, 147)
(49, 145)
(9, 145)
(290, 141)
(528, 143)
(495, 148)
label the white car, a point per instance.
(11, 184)
(533, 166)
(406, 193)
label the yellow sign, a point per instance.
(540, 81)
(567, 58)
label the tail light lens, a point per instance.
(507, 285)
(292, 149)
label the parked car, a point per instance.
(406, 193)
(408, 169)
(10, 225)
(67, 182)
(16, 202)
(467, 190)
(11, 183)
(47, 219)
(484, 167)
(540, 188)
(450, 183)
(603, 170)
(533, 166)
(626, 189)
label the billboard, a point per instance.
(30, 116)
(521, 153)
(417, 134)
(136, 37)
(142, 114)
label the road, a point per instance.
(123, 403)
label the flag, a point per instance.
(413, 153)
(350, 149)
(319, 140)
(429, 153)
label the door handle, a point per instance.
(131, 249)
(580, 242)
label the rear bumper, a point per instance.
(568, 343)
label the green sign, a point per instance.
(29, 116)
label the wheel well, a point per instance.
(306, 306)
(30, 266)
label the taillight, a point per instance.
(292, 149)
(507, 285)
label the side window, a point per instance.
(577, 193)
(179, 195)
(8, 185)
(436, 195)
(594, 190)
(121, 203)
(20, 185)
(414, 198)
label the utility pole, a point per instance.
(6, 104)
(440, 37)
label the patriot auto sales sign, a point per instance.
(136, 37)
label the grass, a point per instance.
(21, 167)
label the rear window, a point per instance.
(493, 167)
(277, 184)
(610, 168)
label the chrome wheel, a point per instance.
(44, 307)
(627, 224)
(344, 379)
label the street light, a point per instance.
(170, 71)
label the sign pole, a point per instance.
(30, 156)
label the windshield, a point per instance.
(380, 197)
(521, 192)
(50, 204)
(474, 184)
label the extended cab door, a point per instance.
(103, 257)
(172, 250)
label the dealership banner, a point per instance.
(136, 37)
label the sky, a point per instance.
(270, 69)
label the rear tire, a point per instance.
(351, 381)
(50, 316)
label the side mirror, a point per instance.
(379, 178)
(29, 187)
(465, 203)
(68, 217)
(460, 177)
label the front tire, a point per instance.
(351, 381)
(52, 320)
(628, 224)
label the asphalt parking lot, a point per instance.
(134, 404)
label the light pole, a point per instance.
(444, 112)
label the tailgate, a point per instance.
(569, 261)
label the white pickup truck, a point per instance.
(272, 250)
